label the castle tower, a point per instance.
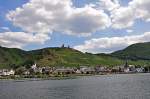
(63, 45)
(68, 46)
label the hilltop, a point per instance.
(70, 57)
(53, 57)
(64, 56)
(10, 56)
(139, 51)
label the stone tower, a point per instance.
(63, 45)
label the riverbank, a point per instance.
(55, 77)
(43, 77)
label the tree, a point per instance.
(28, 64)
(14, 66)
(20, 71)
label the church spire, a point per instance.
(126, 63)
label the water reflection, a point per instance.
(96, 87)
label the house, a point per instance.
(26, 72)
(103, 69)
(34, 66)
(87, 70)
(36, 69)
(6, 72)
(64, 71)
(99, 69)
(11, 72)
(1, 72)
(116, 69)
(119, 69)
(147, 69)
(47, 70)
(140, 70)
(130, 69)
(78, 71)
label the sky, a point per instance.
(95, 26)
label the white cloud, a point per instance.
(124, 17)
(141, 8)
(129, 31)
(47, 16)
(112, 44)
(4, 28)
(40, 18)
(108, 4)
(20, 39)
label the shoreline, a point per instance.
(62, 77)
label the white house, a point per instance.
(27, 72)
(140, 70)
(64, 71)
(6, 72)
(87, 70)
(130, 69)
(1, 72)
(11, 72)
(78, 71)
(127, 70)
(34, 66)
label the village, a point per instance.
(34, 71)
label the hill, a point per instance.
(70, 57)
(53, 57)
(139, 51)
(138, 54)
(10, 56)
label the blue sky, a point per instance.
(93, 35)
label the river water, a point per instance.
(123, 86)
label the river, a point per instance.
(119, 86)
